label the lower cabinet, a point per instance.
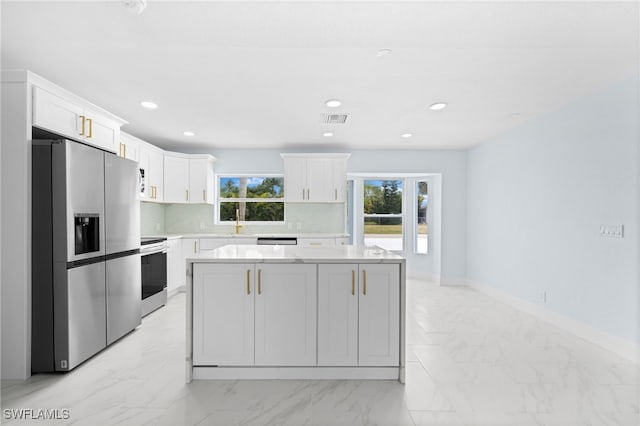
(246, 314)
(223, 314)
(176, 267)
(358, 314)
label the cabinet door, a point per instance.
(338, 315)
(339, 176)
(176, 268)
(190, 247)
(156, 174)
(102, 132)
(319, 180)
(286, 315)
(129, 147)
(200, 181)
(176, 179)
(223, 314)
(379, 315)
(56, 114)
(295, 179)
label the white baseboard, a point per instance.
(296, 373)
(453, 282)
(424, 277)
(615, 344)
(174, 291)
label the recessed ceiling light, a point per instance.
(438, 105)
(333, 103)
(149, 104)
(188, 133)
(406, 135)
(383, 52)
(327, 134)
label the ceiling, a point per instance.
(257, 74)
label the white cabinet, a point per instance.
(201, 179)
(129, 147)
(338, 292)
(176, 267)
(176, 177)
(75, 120)
(151, 172)
(285, 315)
(188, 178)
(246, 314)
(379, 315)
(190, 247)
(315, 178)
(223, 314)
(359, 314)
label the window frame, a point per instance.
(401, 215)
(220, 200)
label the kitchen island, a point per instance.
(291, 312)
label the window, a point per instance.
(251, 199)
(383, 214)
(422, 229)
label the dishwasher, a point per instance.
(277, 241)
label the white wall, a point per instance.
(537, 198)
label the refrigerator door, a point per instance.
(123, 296)
(83, 320)
(78, 201)
(122, 204)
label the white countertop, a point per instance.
(296, 254)
(232, 235)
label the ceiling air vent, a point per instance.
(334, 118)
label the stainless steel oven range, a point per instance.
(153, 258)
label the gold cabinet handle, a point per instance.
(308, 196)
(303, 193)
(336, 194)
(259, 281)
(83, 118)
(124, 145)
(248, 281)
(90, 128)
(186, 194)
(315, 244)
(195, 246)
(204, 195)
(353, 283)
(364, 282)
(120, 150)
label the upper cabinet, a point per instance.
(201, 179)
(188, 178)
(151, 172)
(76, 120)
(315, 178)
(129, 147)
(176, 177)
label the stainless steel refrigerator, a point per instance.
(86, 278)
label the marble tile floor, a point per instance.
(470, 361)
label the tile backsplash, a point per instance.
(199, 218)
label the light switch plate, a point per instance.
(613, 231)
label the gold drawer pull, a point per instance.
(259, 281)
(353, 283)
(364, 283)
(248, 281)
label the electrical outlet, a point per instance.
(202, 226)
(290, 226)
(298, 226)
(157, 226)
(612, 231)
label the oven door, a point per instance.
(154, 273)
